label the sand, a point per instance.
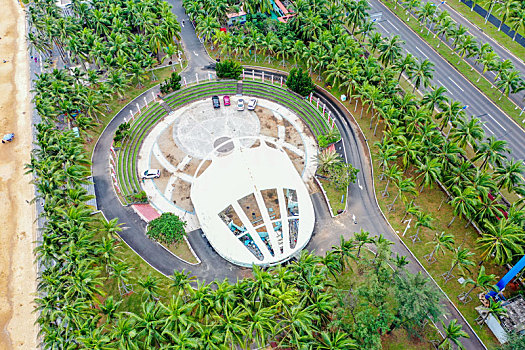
(17, 271)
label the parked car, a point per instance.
(216, 102)
(226, 100)
(240, 105)
(151, 174)
(8, 137)
(252, 104)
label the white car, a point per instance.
(151, 174)
(240, 105)
(252, 104)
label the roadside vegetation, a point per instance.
(491, 30)
(453, 43)
(419, 151)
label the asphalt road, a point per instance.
(481, 37)
(496, 123)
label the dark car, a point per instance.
(216, 102)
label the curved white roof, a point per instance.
(263, 234)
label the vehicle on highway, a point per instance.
(226, 100)
(240, 105)
(252, 104)
(151, 174)
(216, 102)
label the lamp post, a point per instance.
(455, 117)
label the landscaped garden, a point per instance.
(93, 292)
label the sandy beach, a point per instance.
(18, 231)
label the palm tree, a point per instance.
(410, 6)
(335, 340)
(427, 11)
(422, 220)
(483, 281)
(492, 152)
(501, 241)
(495, 308)
(390, 50)
(374, 42)
(405, 64)
(468, 132)
(362, 238)
(461, 259)
(453, 334)
(409, 150)
(449, 113)
(464, 202)
(393, 173)
(518, 20)
(445, 27)
(430, 171)
(457, 34)
(509, 174)
(404, 187)
(206, 27)
(422, 74)
(510, 82)
(440, 242)
(467, 47)
(435, 97)
(505, 10)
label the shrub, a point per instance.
(228, 69)
(171, 84)
(122, 131)
(300, 82)
(342, 175)
(140, 197)
(168, 228)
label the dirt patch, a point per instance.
(181, 195)
(169, 148)
(192, 166)
(164, 178)
(269, 124)
(251, 208)
(298, 162)
(17, 271)
(272, 203)
(292, 136)
(204, 166)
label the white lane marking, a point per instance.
(492, 72)
(407, 51)
(439, 81)
(459, 87)
(392, 24)
(359, 184)
(417, 48)
(182, 24)
(489, 129)
(501, 126)
(386, 30)
(196, 54)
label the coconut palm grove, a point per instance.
(419, 237)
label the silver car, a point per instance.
(252, 104)
(151, 174)
(240, 105)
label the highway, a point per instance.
(496, 122)
(480, 35)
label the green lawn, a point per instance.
(334, 196)
(502, 38)
(464, 68)
(116, 104)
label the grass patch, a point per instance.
(116, 104)
(182, 250)
(489, 29)
(429, 201)
(334, 196)
(464, 68)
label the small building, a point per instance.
(282, 13)
(236, 18)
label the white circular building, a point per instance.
(251, 203)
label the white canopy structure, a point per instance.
(252, 204)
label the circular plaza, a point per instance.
(242, 176)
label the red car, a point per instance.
(226, 100)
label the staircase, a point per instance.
(166, 107)
(239, 88)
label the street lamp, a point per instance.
(455, 117)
